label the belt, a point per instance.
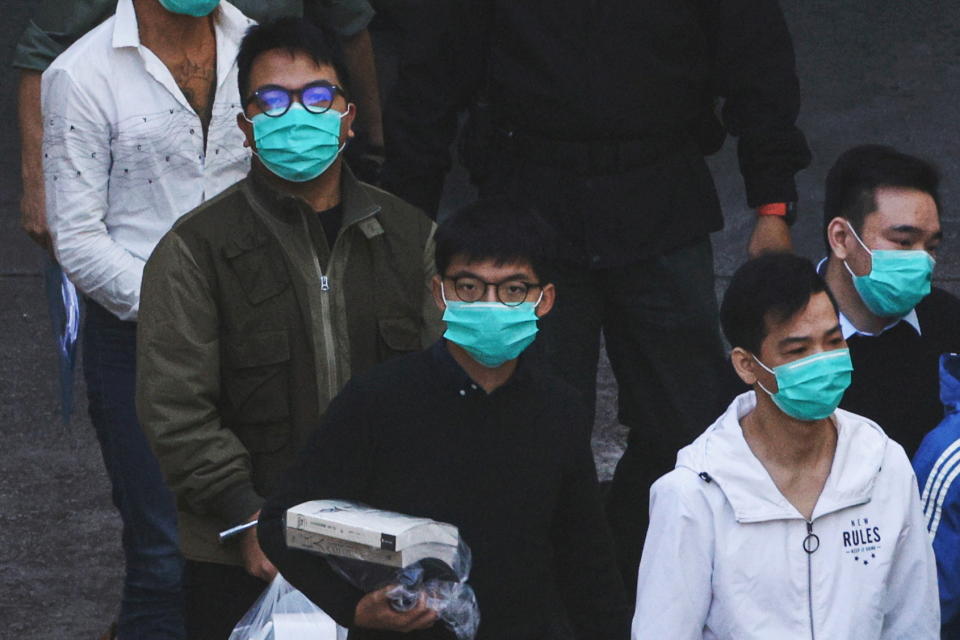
(595, 157)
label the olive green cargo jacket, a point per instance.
(248, 328)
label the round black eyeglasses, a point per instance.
(316, 97)
(509, 292)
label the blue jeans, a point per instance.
(152, 603)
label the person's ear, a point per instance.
(436, 287)
(547, 301)
(247, 127)
(745, 365)
(838, 235)
(346, 122)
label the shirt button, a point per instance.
(463, 392)
(191, 131)
(473, 386)
(595, 259)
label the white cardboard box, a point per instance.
(374, 528)
(348, 530)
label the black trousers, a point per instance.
(660, 322)
(217, 596)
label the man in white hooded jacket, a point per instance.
(787, 518)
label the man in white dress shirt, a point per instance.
(139, 128)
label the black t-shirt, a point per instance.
(896, 374)
(331, 219)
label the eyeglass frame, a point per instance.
(496, 285)
(335, 90)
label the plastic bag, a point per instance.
(64, 308)
(444, 587)
(372, 549)
(283, 613)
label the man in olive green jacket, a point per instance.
(257, 307)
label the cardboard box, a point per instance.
(348, 530)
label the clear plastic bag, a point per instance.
(283, 613)
(444, 587)
(435, 561)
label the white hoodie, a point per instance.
(724, 555)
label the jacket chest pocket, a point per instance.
(256, 379)
(258, 267)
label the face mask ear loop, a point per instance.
(760, 384)
(865, 248)
(767, 391)
(253, 150)
(343, 145)
(537, 303)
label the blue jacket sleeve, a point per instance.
(937, 465)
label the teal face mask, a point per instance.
(195, 8)
(491, 332)
(811, 388)
(298, 146)
(898, 280)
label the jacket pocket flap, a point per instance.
(264, 438)
(400, 334)
(242, 244)
(259, 272)
(258, 349)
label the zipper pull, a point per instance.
(812, 542)
(324, 283)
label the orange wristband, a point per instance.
(773, 209)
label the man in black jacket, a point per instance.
(600, 113)
(882, 227)
(471, 433)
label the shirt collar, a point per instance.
(126, 33)
(455, 378)
(228, 21)
(724, 454)
(357, 204)
(848, 330)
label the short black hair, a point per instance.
(857, 174)
(293, 35)
(500, 229)
(769, 289)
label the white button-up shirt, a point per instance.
(124, 152)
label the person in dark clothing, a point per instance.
(471, 433)
(600, 114)
(258, 306)
(882, 227)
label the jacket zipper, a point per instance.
(325, 320)
(810, 544)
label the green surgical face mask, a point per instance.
(898, 280)
(195, 8)
(811, 388)
(299, 145)
(491, 332)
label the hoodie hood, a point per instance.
(950, 382)
(724, 455)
